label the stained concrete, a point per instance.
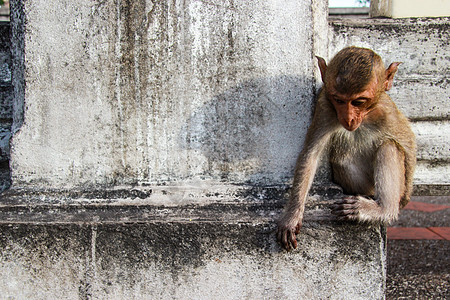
(145, 92)
(154, 144)
(154, 151)
(131, 248)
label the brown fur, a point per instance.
(370, 144)
(353, 68)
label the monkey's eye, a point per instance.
(339, 101)
(358, 102)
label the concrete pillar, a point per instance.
(144, 92)
(155, 153)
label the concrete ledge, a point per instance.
(129, 246)
(217, 203)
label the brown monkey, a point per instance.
(369, 141)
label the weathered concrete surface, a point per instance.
(233, 135)
(173, 105)
(156, 91)
(133, 248)
(421, 87)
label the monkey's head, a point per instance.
(353, 82)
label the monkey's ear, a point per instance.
(390, 72)
(322, 67)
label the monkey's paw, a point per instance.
(347, 208)
(286, 235)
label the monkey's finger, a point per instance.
(335, 209)
(344, 212)
(284, 240)
(344, 218)
(280, 239)
(349, 212)
(337, 212)
(346, 201)
(297, 228)
(348, 206)
(293, 240)
(339, 207)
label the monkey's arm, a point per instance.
(389, 177)
(291, 220)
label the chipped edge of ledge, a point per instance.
(232, 204)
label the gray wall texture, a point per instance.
(145, 92)
(154, 142)
(131, 140)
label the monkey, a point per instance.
(371, 147)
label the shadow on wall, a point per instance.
(253, 132)
(12, 85)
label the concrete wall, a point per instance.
(222, 249)
(146, 92)
(154, 141)
(203, 155)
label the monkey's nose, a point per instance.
(350, 124)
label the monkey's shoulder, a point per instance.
(388, 118)
(395, 124)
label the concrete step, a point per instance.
(197, 245)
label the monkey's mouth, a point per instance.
(351, 128)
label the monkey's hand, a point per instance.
(286, 233)
(353, 208)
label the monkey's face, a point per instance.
(352, 109)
